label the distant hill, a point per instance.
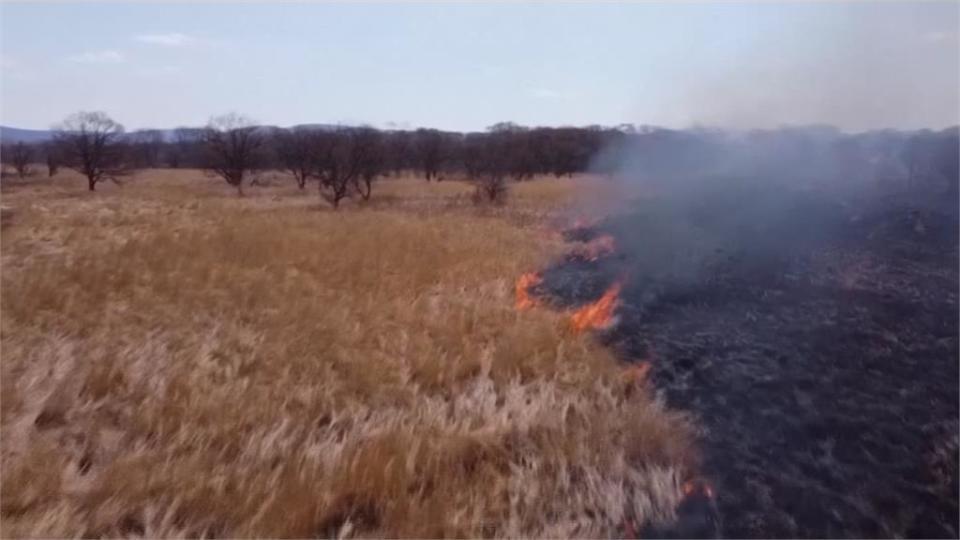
(30, 136)
(12, 134)
(316, 126)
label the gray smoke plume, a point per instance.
(860, 66)
(764, 193)
(694, 200)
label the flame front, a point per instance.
(524, 300)
(598, 314)
(693, 487)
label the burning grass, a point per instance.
(177, 362)
(599, 314)
(524, 299)
(825, 366)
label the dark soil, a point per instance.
(824, 372)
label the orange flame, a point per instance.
(596, 248)
(693, 486)
(598, 314)
(524, 300)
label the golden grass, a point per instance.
(177, 361)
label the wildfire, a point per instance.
(598, 314)
(596, 248)
(691, 487)
(524, 300)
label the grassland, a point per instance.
(177, 361)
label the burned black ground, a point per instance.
(822, 365)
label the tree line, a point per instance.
(345, 161)
(342, 161)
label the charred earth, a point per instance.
(815, 341)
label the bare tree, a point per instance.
(334, 166)
(19, 155)
(399, 149)
(52, 160)
(491, 163)
(186, 149)
(341, 155)
(90, 143)
(233, 147)
(517, 141)
(147, 144)
(371, 154)
(429, 147)
(297, 151)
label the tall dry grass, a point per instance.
(180, 362)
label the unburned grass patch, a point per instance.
(181, 366)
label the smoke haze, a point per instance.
(858, 66)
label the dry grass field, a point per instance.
(178, 361)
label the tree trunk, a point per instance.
(333, 198)
(91, 184)
(365, 188)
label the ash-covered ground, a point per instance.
(817, 344)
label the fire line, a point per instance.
(524, 299)
(599, 314)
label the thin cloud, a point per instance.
(16, 70)
(937, 37)
(547, 93)
(98, 57)
(160, 72)
(173, 39)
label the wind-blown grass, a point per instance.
(180, 362)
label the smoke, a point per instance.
(754, 191)
(859, 66)
(694, 203)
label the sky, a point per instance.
(466, 66)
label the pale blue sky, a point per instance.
(467, 66)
